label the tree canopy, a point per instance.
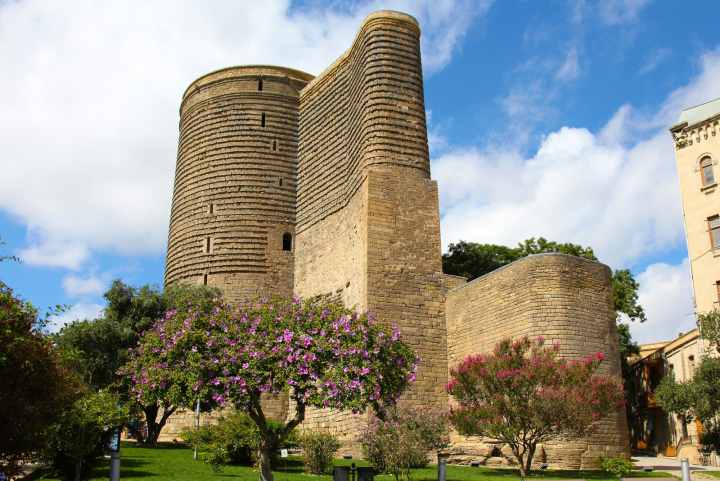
(322, 355)
(524, 394)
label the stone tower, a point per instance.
(232, 223)
(289, 184)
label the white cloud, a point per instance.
(570, 68)
(615, 12)
(76, 286)
(666, 294)
(654, 60)
(77, 312)
(615, 190)
(90, 129)
(54, 253)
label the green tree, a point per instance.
(82, 432)
(34, 385)
(709, 324)
(698, 398)
(97, 349)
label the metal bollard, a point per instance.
(685, 468)
(442, 468)
(114, 466)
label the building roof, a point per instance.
(698, 113)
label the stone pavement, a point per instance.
(672, 466)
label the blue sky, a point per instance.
(546, 118)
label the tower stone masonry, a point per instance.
(320, 186)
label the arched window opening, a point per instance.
(496, 452)
(287, 241)
(706, 167)
(262, 120)
(260, 85)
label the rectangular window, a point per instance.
(708, 175)
(714, 229)
(207, 244)
(717, 290)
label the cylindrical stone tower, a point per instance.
(232, 223)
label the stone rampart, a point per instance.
(562, 298)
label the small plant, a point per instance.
(319, 449)
(235, 439)
(403, 440)
(618, 467)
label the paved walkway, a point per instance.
(669, 465)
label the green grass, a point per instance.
(175, 463)
(714, 474)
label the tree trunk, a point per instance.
(264, 457)
(530, 454)
(154, 427)
(521, 461)
(78, 470)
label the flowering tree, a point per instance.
(324, 355)
(524, 394)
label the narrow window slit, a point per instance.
(262, 120)
(205, 276)
(287, 241)
(211, 208)
(274, 145)
(260, 85)
(280, 181)
(207, 244)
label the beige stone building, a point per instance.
(697, 150)
(320, 186)
(654, 430)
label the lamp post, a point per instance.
(197, 427)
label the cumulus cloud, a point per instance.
(78, 312)
(666, 293)
(614, 189)
(92, 92)
(77, 286)
(54, 253)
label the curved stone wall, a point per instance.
(235, 181)
(365, 111)
(563, 298)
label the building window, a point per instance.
(714, 230)
(717, 290)
(211, 208)
(274, 147)
(205, 279)
(706, 169)
(260, 85)
(287, 242)
(207, 245)
(262, 120)
(691, 364)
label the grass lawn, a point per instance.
(714, 474)
(175, 463)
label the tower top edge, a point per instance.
(249, 71)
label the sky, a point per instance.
(546, 118)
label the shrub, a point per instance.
(235, 439)
(710, 438)
(618, 467)
(319, 449)
(403, 440)
(81, 434)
